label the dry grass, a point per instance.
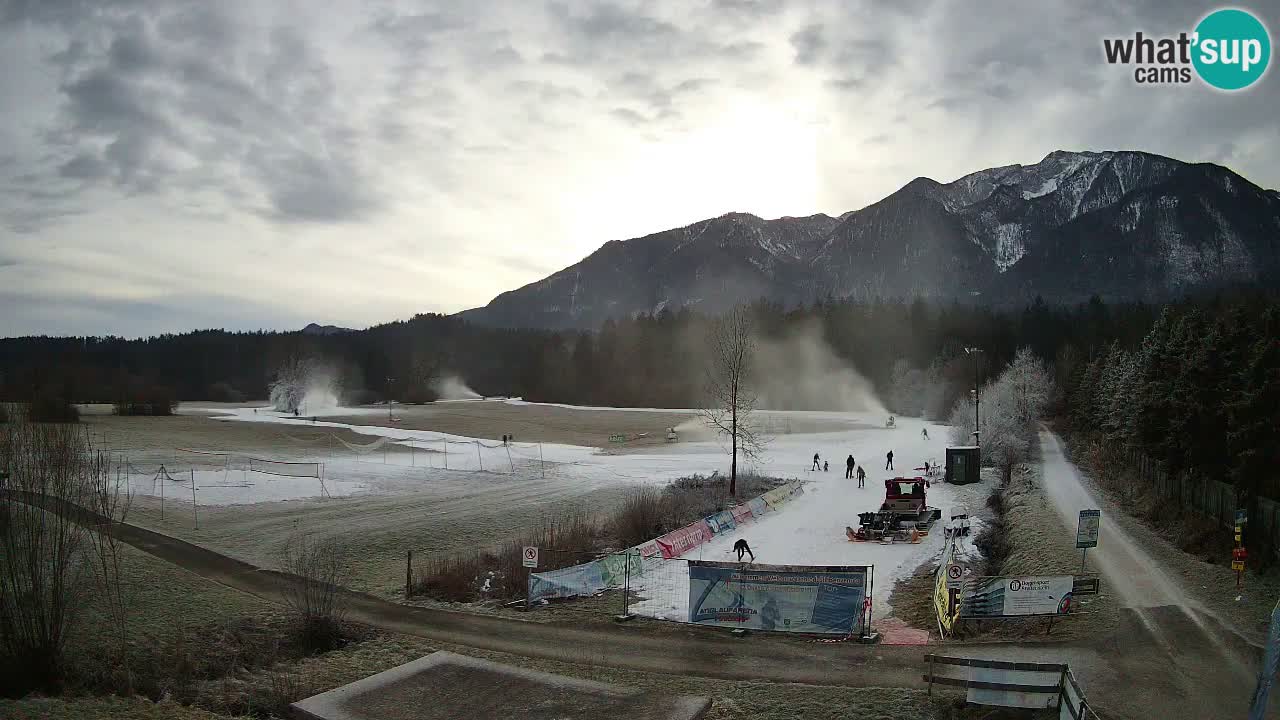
(576, 536)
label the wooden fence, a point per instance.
(1213, 499)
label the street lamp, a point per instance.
(973, 352)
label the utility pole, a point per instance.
(973, 353)
(389, 381)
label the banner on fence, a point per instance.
(1017, 596)
(945, 606)
(782, 494)
(613, 568)
(741, 513)
(721, 522)
(790, 598)
(678, 542)
(585, 579)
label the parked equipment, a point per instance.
(904, 515)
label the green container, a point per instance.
(964, 465)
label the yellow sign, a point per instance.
(947, 615)
(1237, 565)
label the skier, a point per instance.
(741, 547)
(848, 468)
(862, 477)
(888, 460)
(925, 433)
(826, 466)
(815, 462)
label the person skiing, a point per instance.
(888, 460)
(924, 432)
(826, 466)
(815, 462)
(848, 468)
(741, 547)
(862, 477)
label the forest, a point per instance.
(1194, 385)
(648, 360)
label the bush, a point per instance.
(575, 537)
(50, 405)
(153, 400)
(225, 392)
(318, 570)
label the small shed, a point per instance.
(964, 464)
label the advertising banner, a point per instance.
(721, 522)
(758, 506)
(787, 598)
(741, 513)
(613, 568)
(946, 611)
(569, 582)
(649, 549)
(1017, 596)
(678, 542)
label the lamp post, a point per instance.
(973, 353)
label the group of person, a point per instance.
(851, 467)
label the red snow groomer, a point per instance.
(904, 515)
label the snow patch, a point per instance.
(1010, 245)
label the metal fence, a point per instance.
(999, 683)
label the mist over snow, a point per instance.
(800, 371)
(451, 387)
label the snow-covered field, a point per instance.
(810, 530)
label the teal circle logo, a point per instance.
(1232, 49)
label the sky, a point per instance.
(168, 165)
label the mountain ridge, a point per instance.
(1142, 225)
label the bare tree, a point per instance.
(731, 397)
(318, 570)
(109, 498)
(42, 553)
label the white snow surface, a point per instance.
(810, 530)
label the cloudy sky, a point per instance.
(173, 164)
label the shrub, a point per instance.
(225, 392)
(48, 404)
(152, 400)
(318, 569)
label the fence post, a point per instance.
(445, 443)
(478, 458)
(408, 576)
(195, 516)
(626, 582)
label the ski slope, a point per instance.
(810, 530)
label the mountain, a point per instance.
(1122, 225)
(314, 329)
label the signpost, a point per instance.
(1087, 532)
(1238, 553)
(954, 575)
(530, 557)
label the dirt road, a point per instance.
(1165, 633)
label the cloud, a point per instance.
(431, 155)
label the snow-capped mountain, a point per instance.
(1122, 225)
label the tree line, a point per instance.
(1198, 393)
(646, 360)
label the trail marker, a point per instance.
(1087, 533)
(530, 557)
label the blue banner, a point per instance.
(784, 598)
(721, 521)
(573, 581)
